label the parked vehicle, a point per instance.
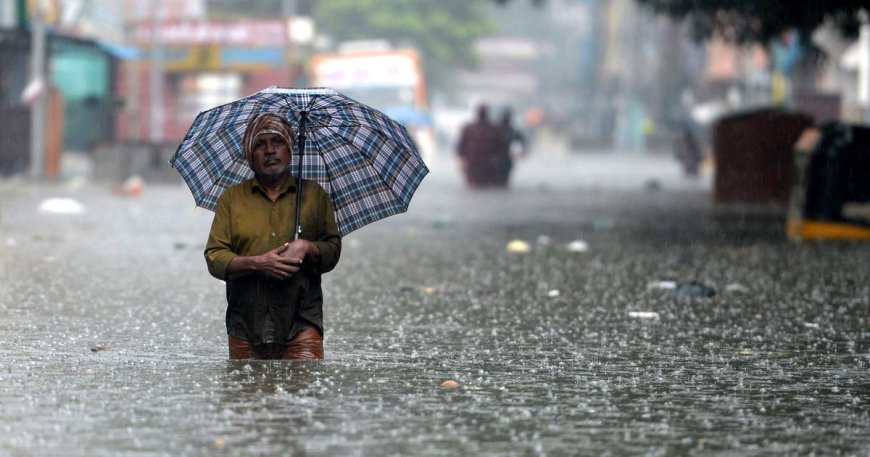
(390, 80)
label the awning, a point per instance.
(120, 51)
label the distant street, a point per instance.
(556, 305)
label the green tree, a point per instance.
(761, 21)
(757, 21)
(443, 31)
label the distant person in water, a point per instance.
(687, 150)
(481, 151)
(513, 146)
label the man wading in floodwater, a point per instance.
(274, 298)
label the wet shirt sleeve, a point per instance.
(217, 250)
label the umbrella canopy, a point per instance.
(364, 160)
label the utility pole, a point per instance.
(288, 8)
(39, 106)
(864, 67)
(156, 76)
(288, 14)
(133, 68)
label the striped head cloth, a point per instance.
(264, 124)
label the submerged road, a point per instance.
(554, 305)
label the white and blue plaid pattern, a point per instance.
(365, 161)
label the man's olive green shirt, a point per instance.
(247, 223)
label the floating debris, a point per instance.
(99, 348)
(518, 246)
(737, 288)
(652, 184)
(133, 186)
(577, 246)
(450, 384)
(643, 315)
(811, 325)
(662, 285)
(61, 206)
(694, 289)
(553, 293)
(745, 351)
(544, 240)
(424, 289)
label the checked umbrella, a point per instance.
(364, 160)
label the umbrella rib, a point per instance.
(381, 177)
(329, 180)
(370, 161)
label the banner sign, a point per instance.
(237, 33)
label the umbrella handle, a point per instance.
(300, 139)
(298, 231)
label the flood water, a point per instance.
(114, 341)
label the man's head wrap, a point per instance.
(265, 124)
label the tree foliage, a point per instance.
(760, 21)
(443, 31)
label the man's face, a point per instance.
(271, 155)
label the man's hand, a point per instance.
(277, 264)
(302, 250)
(296, 249)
